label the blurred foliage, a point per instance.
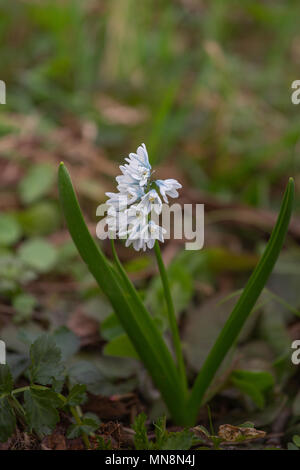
(207, 86)
(211, 81)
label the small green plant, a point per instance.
(295, 445)
(198, 437)
(147, 340)
(36, 406)
(164, 440)
(102, 444)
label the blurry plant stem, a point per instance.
(171, 315)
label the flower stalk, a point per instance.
(171, 315)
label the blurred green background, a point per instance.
(207, 86)
(204, 84)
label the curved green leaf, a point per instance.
(244, 305)
(137, 323)
(7, 419)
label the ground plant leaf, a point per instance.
(6, 379)
(36, 183)
(10, 230)
(120, 346)
(38, 254)
(67, 342)
(45, 359)
(111, 327)
(41, 410)
(296, 440)
(87, 425)
(164, 440)
(77, 395)
(182, 440)
(24, 305)
(7, 420)
(87, 373)
(141, 441)
(254, 384)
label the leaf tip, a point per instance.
(291, 186)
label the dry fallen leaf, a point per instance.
(230, 433)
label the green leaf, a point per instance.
(127, 305)
(41, 410)
(111, 327)
(37, 183)
(87, 373)
(41, 219)
(7, 420)
(87, 426)
(120, 346)
(38, 254)
(24, 304)
(245, 304)
(246, 424)
(12, 273)
(18, 363)
(10, 230)
(137, 264)
(141, 441)
(45, 359)
(264, 381)
(6, 380)
(253, 384)
(182, 440)
(165, 440)
(160, 431)
(77, 395)
(292, 446)
(102, 444)
(67, 342)
(103, 377)
(296, 440)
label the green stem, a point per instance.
(171, 315)
(19, 409)
(78, 421)
(20, 390)
(18, 405)
(36, 387)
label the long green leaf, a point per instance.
(138, 324)
(244, 305)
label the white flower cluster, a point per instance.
(129, 213)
